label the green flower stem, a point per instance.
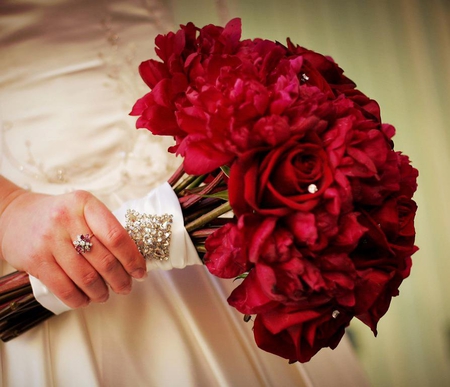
(206, 189)
(204, 219)
(182, 185)
(197, 181)
(207, 205)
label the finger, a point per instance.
(114, 237)
(108, 267)
(98, 263)
(81, 272)
(57, 281)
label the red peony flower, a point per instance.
(322, 71)
(225, 257)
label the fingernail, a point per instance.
(139, 274)
(125, 291)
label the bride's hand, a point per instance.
(37, 233)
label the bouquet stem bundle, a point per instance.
(19, 310)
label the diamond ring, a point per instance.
(83, 243)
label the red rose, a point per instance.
(298, 334)
(377, 289)
(291, 177)
(390, 235)
(408, 176)
(396, 219)
(250, 296)
(383, 257)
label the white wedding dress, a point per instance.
(68, 78)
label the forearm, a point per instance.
(8, 192)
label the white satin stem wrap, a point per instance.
(162, 200)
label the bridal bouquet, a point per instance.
(289, 182)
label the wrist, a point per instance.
(9, 192)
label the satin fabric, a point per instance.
(68, 79)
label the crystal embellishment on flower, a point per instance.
(312, 188)
(151, 233)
